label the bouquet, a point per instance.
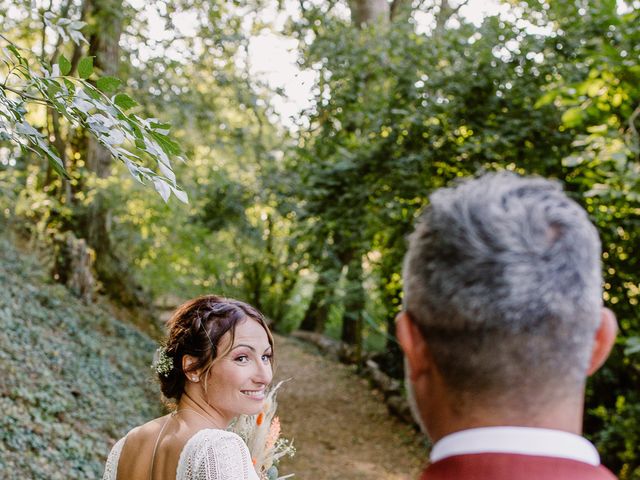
(261, 433)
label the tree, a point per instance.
(596, 89)
(81, 104)
(379, 142)
(398, 114)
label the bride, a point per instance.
(216, 365)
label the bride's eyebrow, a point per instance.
(250, 347)
(244, 345)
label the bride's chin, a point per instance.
(255, 410)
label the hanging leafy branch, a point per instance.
(100, 109)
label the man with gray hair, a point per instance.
(503, 322)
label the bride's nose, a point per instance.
(263, 373)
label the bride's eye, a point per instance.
(267, 357)
(242, 358)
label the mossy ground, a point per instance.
(74, 378)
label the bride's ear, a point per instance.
(188, 362)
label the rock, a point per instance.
(389, 386)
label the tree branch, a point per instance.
(457, 9)
(446, 12)
(26, 95)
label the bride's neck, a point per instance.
(196, 403)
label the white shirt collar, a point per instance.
(519, 440)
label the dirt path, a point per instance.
(340, 427)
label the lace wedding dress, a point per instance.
(210, 454)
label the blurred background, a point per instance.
(312, 132)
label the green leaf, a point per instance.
(70, 86)
(95, 94)
(85, 67)
(162, 188)
(25, 128)
(180, 194)
(573, 160)
(124, 101)
(64, 64)
(169, 146)
(633, 346)
(53, 156)
(108, 84)
(15, 51)
(546, 99)
(52, 89)
(593, 87)
(598, 128)
(572, 117)
(162, 128)
(56, 164)
(137, 133)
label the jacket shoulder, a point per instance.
(499, 466)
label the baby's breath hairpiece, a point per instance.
(162, 362)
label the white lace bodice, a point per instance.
(209, 455)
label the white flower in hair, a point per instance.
(162, 362)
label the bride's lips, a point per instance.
(254, 394)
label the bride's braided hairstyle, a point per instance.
(195, 329)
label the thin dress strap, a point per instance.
(155, 447)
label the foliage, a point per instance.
(399, 113)
(75, 379)
(99, 109)
(601, 103)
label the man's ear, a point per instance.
(605, 338)
(413, 345)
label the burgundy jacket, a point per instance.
(509, 466)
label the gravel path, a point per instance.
(341, 428)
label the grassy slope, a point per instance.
(74, 379)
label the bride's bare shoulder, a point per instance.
(147, 430)
(138, 449)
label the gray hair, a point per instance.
(503, 279)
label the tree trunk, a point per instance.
(354, 304)
(105, 48)
(317, 313)
(114, 274)
(391, 361)
(364, 12)
(329, 267)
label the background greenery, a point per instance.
(308, 223)
(66, 392)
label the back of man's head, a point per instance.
(503, 279)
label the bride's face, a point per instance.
(237, 382)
